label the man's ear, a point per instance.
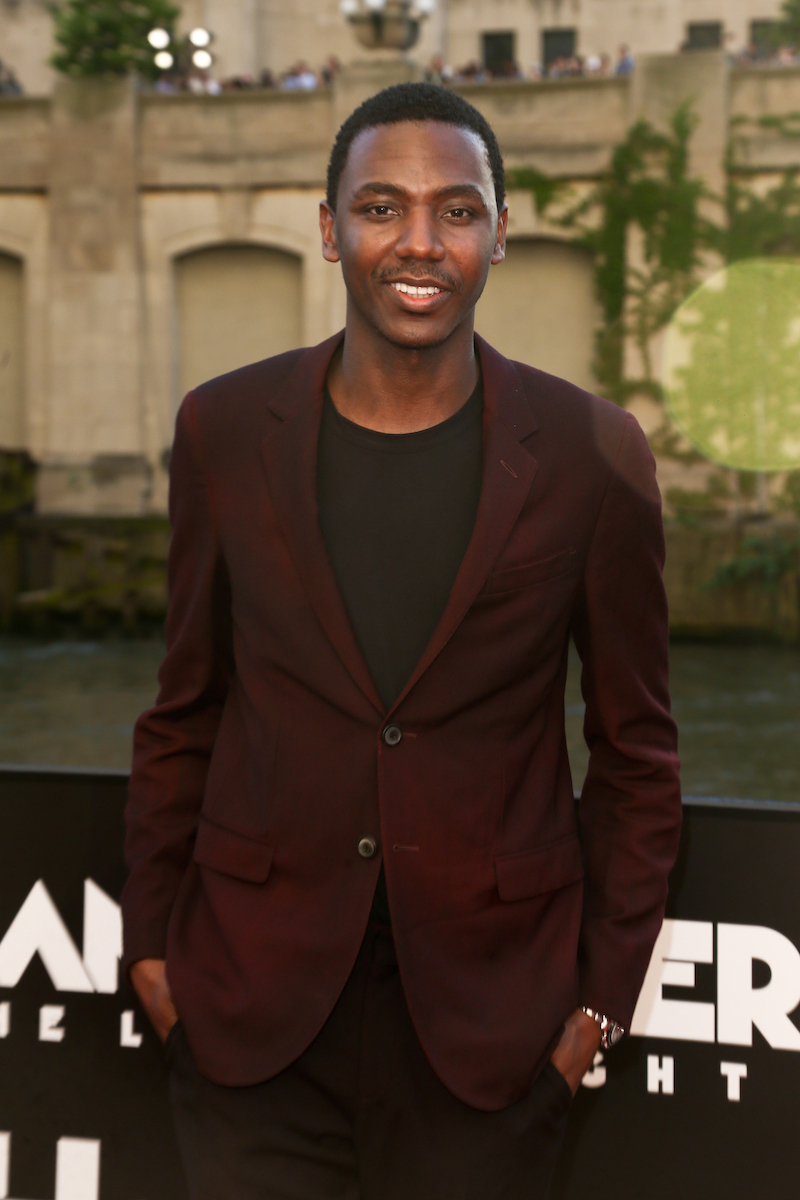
(499, 252)
(327, 227)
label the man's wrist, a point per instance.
(610, 1030)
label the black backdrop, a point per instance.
(738, 866)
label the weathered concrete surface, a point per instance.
(93, 571)
(25, 141)
(94, 346)
(744, 609)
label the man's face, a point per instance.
(416, 228)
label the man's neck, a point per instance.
(394, 389)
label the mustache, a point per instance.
(420, 271)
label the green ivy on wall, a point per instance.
(649, 191)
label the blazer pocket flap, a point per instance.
(232, 853)
(534, 872)
(535, 572)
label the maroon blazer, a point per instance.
(262, 764)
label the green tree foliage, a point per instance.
(108, 37)
(789, 26)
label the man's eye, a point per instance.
(380, 210)
(459, 213)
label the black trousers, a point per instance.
(361, 1115)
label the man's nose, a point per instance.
(420, 237)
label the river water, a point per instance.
(737, 707)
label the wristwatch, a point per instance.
(611, 1031)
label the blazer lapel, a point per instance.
(290, 456)
(508, 472)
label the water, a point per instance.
(737, 707)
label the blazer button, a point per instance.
(392, 735)
(367, 847)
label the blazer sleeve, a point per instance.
(173, 741)
(630, 807)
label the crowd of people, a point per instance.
(301, 77)
(9, 84)
(298, 78)
(562, 67)
(767, 56)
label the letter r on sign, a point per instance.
(740, 1006)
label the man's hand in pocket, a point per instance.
(149, 978)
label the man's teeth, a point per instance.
(410, 290)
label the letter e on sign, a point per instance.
(679, 945)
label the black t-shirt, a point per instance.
(397, 512)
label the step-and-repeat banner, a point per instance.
(700, 1103)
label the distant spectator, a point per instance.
(299, 78)
(266, 79)
(238, 83)
(605, 64)
(473, 72)
(508, 70)
(565, 68)
(330, 70)
(9, 84)
(593, 64)
(624, 61)
(439, 71)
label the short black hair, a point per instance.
(414, 102)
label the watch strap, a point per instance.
(610, 1031)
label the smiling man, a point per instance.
(382, 942)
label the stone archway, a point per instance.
(236, 304)
(12, 403)
(539, 308)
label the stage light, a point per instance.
(375, 5)
(348, 7)
(164, 60)
(202, 59)
(200, 38)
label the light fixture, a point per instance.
(375, 5)
(426, 7)
(348, 7)
(158, 39)
(200, 38)
(163, 60)
(202, 59)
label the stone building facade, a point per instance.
(148, 242)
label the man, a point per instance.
(391, 938)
